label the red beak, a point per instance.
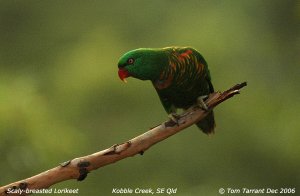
(123, 73)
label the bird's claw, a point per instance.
(174, 118)
(201, 103)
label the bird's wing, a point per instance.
(208, 79)
(211, 87)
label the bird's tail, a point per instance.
(207, 125)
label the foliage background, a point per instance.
(60, 96)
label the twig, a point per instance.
(78, 168)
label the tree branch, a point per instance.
(78, 168)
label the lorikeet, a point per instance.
(180, 76)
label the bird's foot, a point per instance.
(201, 103)
(174, 118)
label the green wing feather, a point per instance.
(183, 80)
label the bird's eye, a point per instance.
(130, 61)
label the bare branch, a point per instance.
(78, 168)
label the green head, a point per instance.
(143, 63)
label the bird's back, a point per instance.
(183, 80)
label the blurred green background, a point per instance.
(61, 98)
